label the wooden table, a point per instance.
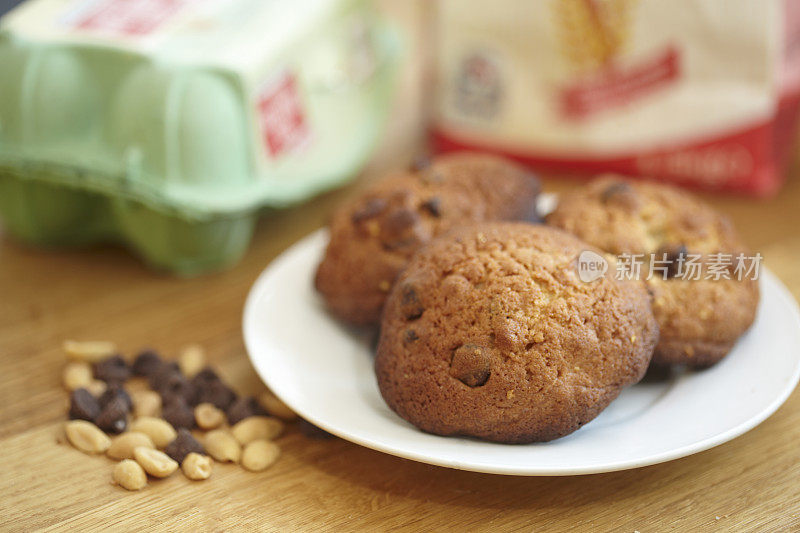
(751, 483)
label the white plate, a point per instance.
(323, 370)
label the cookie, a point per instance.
(373, 236)
(489, 332)
(700, 319)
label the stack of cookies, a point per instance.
(700, 319)
(486, 327)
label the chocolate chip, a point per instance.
(674, 255)
(410, 306)
(83, 405)
(398, 228)
(244, 407)
(158, 378)
(433, 206)
(146, 363)
(410, 336)
(214, 392)
(183, 445)
(614, 189)
(471, 365)
(621, 194)
(421, 162)
(113, 418)
(310, 430)
(209, 388)
(175, 384)
(112, 370)
(114, 392)
(206, 375)
(372, 208)
(178, 412)
(400, 220)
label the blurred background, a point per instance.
(186, 137)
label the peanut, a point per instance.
(146, 403)
(86, 437)
(196, 466)
(97, 387)
(90, 351)
(257, 428)
(159, 430)
(154, 462)
(260, 454)
(192, 359)
(276, 407)
(76, 375)
(129, 475)
(61, 435)
(221, 445)
(208, 416)
(122, 447)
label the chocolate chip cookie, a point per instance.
(700, 319)
(373, 236)
(489, 332)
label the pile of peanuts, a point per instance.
(187, 418)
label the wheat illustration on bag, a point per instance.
(593, 32)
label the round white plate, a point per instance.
(323, 370)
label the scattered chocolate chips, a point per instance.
(147, 363)
(674, 255)
(471, 364)
(83, 405)
(410, 306)
(114, 392)
(372, 208)
(112, 370)
(113, 417)
(177, 412)
(433, 206)
(183, 445)
(244, 407)
(109, 415)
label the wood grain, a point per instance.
(751, 483)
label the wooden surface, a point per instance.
(751, 483)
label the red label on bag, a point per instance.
(127, 17)
(740, 160)
(282, 119)
(614, 86)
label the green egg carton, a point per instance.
(169, 127)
